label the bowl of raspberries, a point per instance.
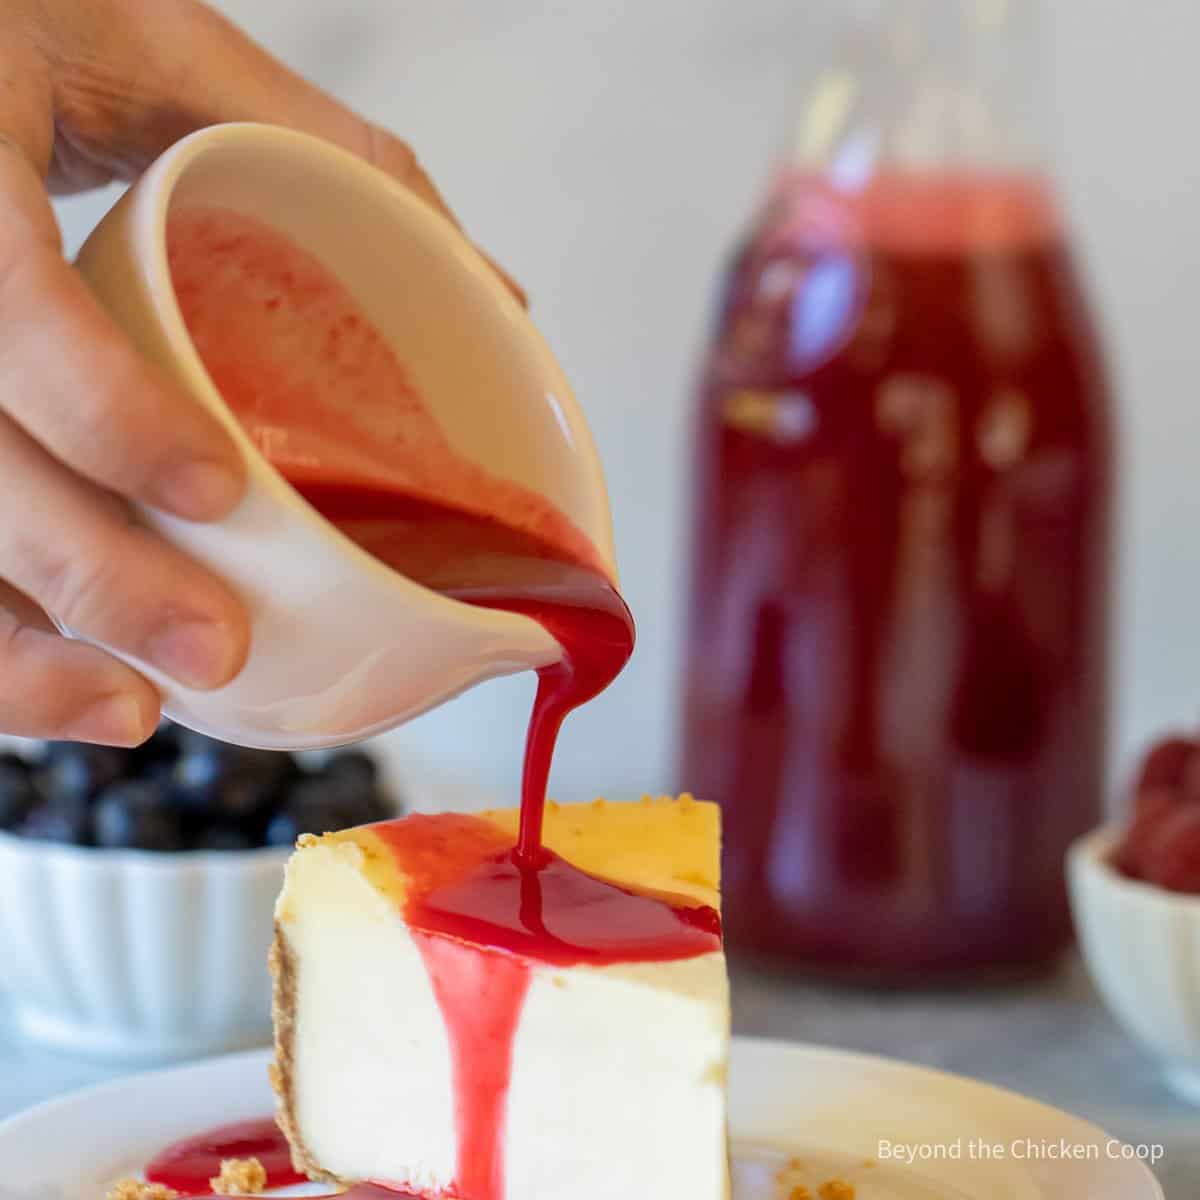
(137, 887)
(1135, 894)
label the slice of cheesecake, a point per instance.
(457, 1023)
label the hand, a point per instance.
(94, 90)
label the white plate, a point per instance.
(827, 1109)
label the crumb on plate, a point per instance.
(836, 1189)
(240, 1177)
(139, 1189)
(800, 1192)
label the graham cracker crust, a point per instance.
(282, 965)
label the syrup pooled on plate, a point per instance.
(758, 1173)
(326, 400)
(187, 1166)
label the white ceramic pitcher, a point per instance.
(343, 647)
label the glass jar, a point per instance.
(897, 644)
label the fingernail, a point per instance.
(198, 653)
(113, 721)
(198, 490)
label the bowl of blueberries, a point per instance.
(137, 887)
(1135, 894)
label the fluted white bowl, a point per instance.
(139, 955)
(1141, 944)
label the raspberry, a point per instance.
(1165, 764)
(1171, 858)
(1154, 807)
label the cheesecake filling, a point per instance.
(453, 1021)
(484, 916)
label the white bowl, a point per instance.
(138, 955)
(342, 647)
(1141, 944)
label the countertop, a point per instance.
(1052, 1041)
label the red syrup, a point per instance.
(481, 997)
(188, 1165)
(466, 883)
(482, 914)
(326, 400)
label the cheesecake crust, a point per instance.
(239, 1177)
(282, 965)
(138, 1189)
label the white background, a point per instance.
(607, 151)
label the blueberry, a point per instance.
(111, 759)
(275, 763)
(62, 819)
(195, 779)
(211, 779)
(245, 798)
(364, 807)
(312, 807)
(221, 837)
(134, 814)
(18, 793)
(191, 742)
(76, 771)
(157, 772)
(282, 829)
(354, 777)
(161, 748)
(354, 767)
(274, 767)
